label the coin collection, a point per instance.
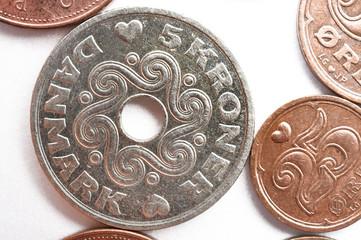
(304, 161)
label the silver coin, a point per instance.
(93, 161)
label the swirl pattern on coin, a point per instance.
(308, 152)
(330, 35)
(164, 58)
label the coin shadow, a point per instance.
(272, 220)
(30, 33)
(38, 179)
(45, 189)
(306, 235)
(59, 203)
(316, 82)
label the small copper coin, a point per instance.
(49, 13)
(306, 165)
(115, 234)
(330, 35)
(311, 238)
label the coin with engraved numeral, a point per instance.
(114, 234)
(49, 13)
(306, 165)
(330, 37)
(97, 163)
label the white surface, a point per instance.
(262, 36)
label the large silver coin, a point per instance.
(164, 58)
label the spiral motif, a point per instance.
(350, 24)
(292, 167)
(316, 161)
(192, 108)
(93, 129)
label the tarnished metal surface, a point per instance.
(49, 13)
(305, 163)
(165, 58)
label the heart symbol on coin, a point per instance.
(282, 134)
(128, 31)
(331, 69)
(155, 205)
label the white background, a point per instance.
(261, 34)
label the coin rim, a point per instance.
(314, 65)
(207, 203)
(254, 162)
(78, 18)
(311, 238)
(89, 233)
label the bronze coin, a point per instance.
(311, 238)
(306, 165)
(102, 234)
(49, 13)
(330, 34)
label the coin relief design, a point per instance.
(329, 34)
(347, 17)
(319, 158)
(317, 167)
(50, 13)
(87, 152)
(104, 233)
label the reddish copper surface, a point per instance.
(330, 35)
(115, 234)
(311, 238)
(306, 164)
(48, 13)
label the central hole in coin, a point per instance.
(142, 118)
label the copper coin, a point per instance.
(306, 166)
(49, 13)
(311, 238)
(330, 35)
(115, 234)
